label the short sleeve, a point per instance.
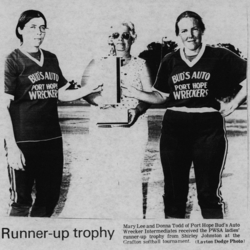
(161, 81)
(235, 69)
(10, 76)
(62, 80)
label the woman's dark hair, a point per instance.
(189, 14)
(25, 17)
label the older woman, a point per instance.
(33, 85)
(191, 81)
(112, 185)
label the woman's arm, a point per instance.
(147, 94)
(153, 97)
(146, 78)
(92, 78)
(141, 107)
(67, 95)
(147, 83)
(15, 157)
(227, 108)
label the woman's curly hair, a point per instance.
(131, 28)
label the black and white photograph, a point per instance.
(124, 124)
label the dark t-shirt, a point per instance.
(214, 74)
(34, 85)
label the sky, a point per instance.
(78, 29)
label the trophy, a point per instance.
(111, 112)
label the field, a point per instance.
(74, 123)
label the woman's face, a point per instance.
(122, 39)
(190, 33)
(33, 32)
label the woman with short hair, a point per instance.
(33, 139)
(192, 81)
(112, 185)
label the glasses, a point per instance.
(124, 35)
(42, 28)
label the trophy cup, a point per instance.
(111, 113)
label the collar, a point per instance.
(196, 59)
(40, 63)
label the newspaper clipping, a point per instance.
(165, 164)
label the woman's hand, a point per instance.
(98, 89)
(131, 92)
(65, 95)
(89, 90)
(227, 108)
(133, 115)
(15, 157)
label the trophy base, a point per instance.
(112, 116)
